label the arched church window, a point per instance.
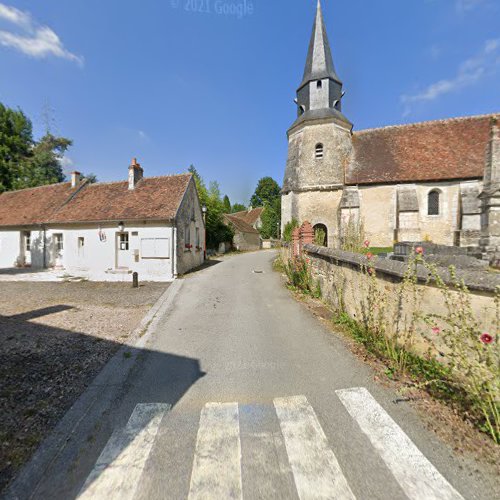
(433, 202)
(319, 151)
(319, 84)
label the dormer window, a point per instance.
(319, 153)
(319, 84)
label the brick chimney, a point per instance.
(75, 178)
(135, 173)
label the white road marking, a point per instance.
(118, 470)
(315, 468)
(217, 462)
(418, 478)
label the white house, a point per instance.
(105, 231)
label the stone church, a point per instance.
(436, 181)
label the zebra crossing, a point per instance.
(217, 464)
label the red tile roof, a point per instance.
(429, 151)
(249, 216)
(34, 205)
(153, 198)
(239, 224)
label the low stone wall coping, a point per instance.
(481, 281)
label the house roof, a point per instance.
(152, 198)
(240, 224)
(34, 205)
(249, 216)
(440, 150)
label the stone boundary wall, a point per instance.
(345, 286)
(476, 281)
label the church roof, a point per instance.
(154, 198)
(431, 151)
(319, 63)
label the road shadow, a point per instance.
(44, 370)
(211, 262)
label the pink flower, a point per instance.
(419, 250)
(371, 271)
(436, 330)
(367, 244)
(369, 256)
(486, 338)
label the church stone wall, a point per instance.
(378, 213)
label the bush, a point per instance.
(289, 227)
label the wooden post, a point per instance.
(135, 280)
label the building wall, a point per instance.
(317, 207)
(10, 248)
(190, 214)
(150, 251)
(384, 220)
(246, 242)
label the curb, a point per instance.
(94, 401)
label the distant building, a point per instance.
(106, 230)
(246, 227)
(437, 180)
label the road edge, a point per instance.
(92, 401)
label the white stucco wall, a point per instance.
(10, 245)
(101, 258)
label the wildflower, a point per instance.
(486, 338)
(436, 330)
(367, 243)
(371, 271)
(369, 256)
(419, 250)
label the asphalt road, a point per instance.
(242, 393)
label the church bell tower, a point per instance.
(319, 141)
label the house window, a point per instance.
(319, 151)
(81, 245)
(319, 84)
(187, 235)
(27, 241)
(198, 242)
(124, 245)
(59, 242)
(433, 202)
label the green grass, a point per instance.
(379, 250)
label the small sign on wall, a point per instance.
(155, 248)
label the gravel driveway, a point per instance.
(54, 339)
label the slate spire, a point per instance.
(319, 63)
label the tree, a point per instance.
(267, 191)
(217, 231)
(238, 207)
(227, 204)
(25, 162)
(44, 165)
(271, 219)
(16, 140)
(90, 178)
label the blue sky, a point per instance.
(172, 86)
